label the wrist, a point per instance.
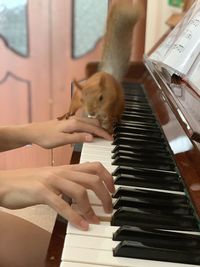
(22, 134)
(12, 137)
(28, 133)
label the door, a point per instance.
(38, 63)
(44, 45)
(25, 94)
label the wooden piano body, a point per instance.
(181, 137)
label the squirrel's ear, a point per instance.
(102, 81)
(77, 85)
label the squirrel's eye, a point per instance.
(100, 98)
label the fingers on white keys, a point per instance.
(79, 194)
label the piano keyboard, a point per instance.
(153, 223)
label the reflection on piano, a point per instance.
(154, 162)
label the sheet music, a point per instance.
(162, 51)
(179, 52)
(193, 76)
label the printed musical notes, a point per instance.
(179, 53)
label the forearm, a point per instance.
(12, 137)
(51, 133)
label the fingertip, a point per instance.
(88, 138)
(84, 225)
(108, 209)
(112, 189)
(94, 219)
(108, 136)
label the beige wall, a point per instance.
(158, 11)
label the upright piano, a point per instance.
(155, 161)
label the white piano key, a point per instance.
(97, 230)
(101, 142)
(99, 211)
(92, 147)
(103, 257)
(102, 146)
(99, 150)
(105, 163)
(91, 242)
(106, 230)
(97, 156)
(94, 200)
(79, 264)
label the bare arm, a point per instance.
(51, 134)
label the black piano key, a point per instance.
(136, 99)
(148, 178)
(158, 159)
(140, 218)
(144, 176)
(143, 162)
(138, 108)
(142, 150)
(147, 116)
(153, 196)
(133, 88)
(156, 210)
(134, 92)
(140, 118)
(137, 130)
(144, 154)
(140, 143)
(170, 176)
(141, 182)
(132, 101)
(143, 203)
(148, 125)
(143, 136)
(131, 94)
(138, 133)
(157, 237)
(131, 104)
(132, 249)
(141, 124)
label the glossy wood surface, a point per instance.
(186, 152)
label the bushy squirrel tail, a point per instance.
(118, 38)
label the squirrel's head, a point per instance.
(92, 95)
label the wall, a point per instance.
(158, 11)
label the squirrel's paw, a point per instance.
(64, 117)
(109, 124)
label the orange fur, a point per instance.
(101, 96)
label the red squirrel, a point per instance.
(101, 95)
